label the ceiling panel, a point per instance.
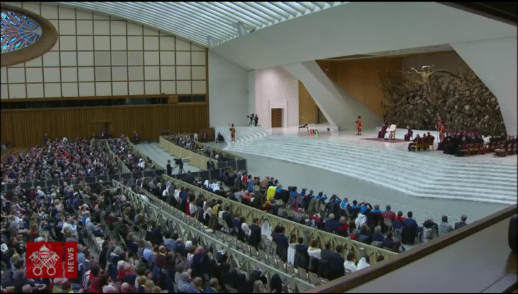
(196, 21)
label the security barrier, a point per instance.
(170, 218)
(291, 227)
(200, 161)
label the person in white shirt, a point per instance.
(349, 265)
(142, 164)
(192, 206)
(215, 187)
(314, 251)
(360, 219)
(244, 227)
(72, 225)
(362, 263)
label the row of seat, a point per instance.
(264, 254)
(13, 151)
(422, 144)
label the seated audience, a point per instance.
(408, 135)
(332, 223)
(462, 222)
(431, 225)
(349, 265)
(365, 235)
(444, 227)
(388, 242)
(410, 228)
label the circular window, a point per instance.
(18, 31)
(25, 35)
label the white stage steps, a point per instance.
(413, 173)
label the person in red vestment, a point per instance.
(233, 132)
(442, 129)
(359, 124)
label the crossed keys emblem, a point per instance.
(44, 258)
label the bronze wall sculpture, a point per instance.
(419, 99)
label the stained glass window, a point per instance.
(18, 31)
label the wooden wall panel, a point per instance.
(26, 127)
(308, 109)
(361, 77)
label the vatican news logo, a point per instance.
(48, 260)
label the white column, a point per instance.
(251, 92)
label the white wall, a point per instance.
(251, 91)
(228, 86)
(359, 28)
(99, 55)
(276, 88)
(494, 62)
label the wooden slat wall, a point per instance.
(307, 107)
(361, 79)
(26, 127)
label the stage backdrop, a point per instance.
(419, 98)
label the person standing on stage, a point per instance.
(169, 168)
(359, 124)
(233, 133)
(256, 119)
(381, 134)
(442, 129)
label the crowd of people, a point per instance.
(59, 159)
(163, 261)
(190, 143)
(359, 221)
(129, 157)
(159, 262)
(427, 138)
(454, 142)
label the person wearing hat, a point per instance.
(359, 125)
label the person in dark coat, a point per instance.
(336, 261)
(255, 234)
(302, 250)
(200, 263)
(276, 284)
(462, 222)
(169, 168)
(381, 134)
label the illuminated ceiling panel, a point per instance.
(197, 21)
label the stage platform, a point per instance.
(430, 174)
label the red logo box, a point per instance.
(45, 260)
(70, 260)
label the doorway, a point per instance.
(277, 117)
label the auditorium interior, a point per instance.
(229, 147)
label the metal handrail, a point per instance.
(166, 215)
(250, 213)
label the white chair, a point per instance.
(391, 132)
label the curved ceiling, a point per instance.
(197, 21)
